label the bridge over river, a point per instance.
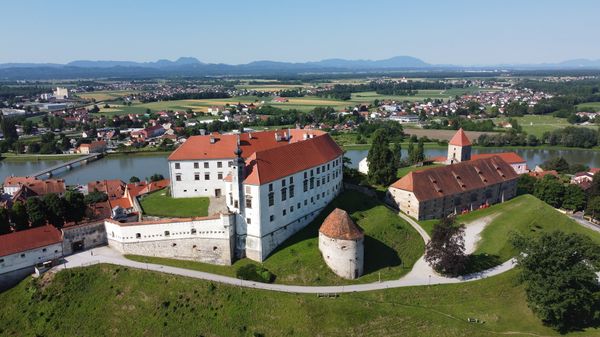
(69, 164)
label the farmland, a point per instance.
(538, 124)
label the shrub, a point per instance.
(252, 272)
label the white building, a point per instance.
(61, 93)
(363, 166)
(341, 244)
(276, 182)
(21, 251)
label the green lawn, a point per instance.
(525, 215)
(370, 96)
(538, 124)
(159, 203)
(107, 300)
(406, 170)
(392, 246)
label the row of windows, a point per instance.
(193, 231)
(197, 176)
(206, 165)
(299, 205)
(23, 254)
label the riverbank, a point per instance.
(9, 156)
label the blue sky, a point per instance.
(220, 31)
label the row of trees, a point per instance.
(37, 211)
(554, 192)
(569, 137)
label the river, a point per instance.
(123, 167)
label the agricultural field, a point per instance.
(271, 87)
(370, 96)
(392, 246)
(538, 124)
(104, 95)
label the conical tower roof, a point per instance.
(339, 225)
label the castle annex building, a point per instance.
(464, 184)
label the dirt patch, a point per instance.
(473, 231)
(46, 279)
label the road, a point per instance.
(421, 274)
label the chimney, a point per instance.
(212, 139)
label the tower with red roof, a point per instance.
(459, 148)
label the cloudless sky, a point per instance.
(235, 31)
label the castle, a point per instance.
(273, 184)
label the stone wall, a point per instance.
(344, 257)
(208, 239)
(88, 235)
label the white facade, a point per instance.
(520, 168)
(363, 166)
(30, 258)
(457, 153)
(273, 211)
(199, 178)
(344, 257)
(206, 239)
(61, 93)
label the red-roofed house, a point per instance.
(93, 147)
(21, 251)
(12, 185)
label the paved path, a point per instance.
(421, 274)
(579, 218)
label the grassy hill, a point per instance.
(392, 246)
(524, 215)
(106, 300)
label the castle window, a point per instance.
(177, 166)
(220, 175)
(270, 187)
(196, 176)
(173, 244)
(284, 212)
(291, 191)
(219, 164)
(312, 183)
(318, 170)
(248, 203)
(282, 182)
(196, 165)
(44, 250)
(206, 176)
(318, 182)
(271, 198)
(138, 235)
(271, 218)
(248, 221)
(291, 180)
(305, 185)
(291, 209)
(299, 205)
(167, 233)
(205, 164)
(283, 194)
(305, 175)
(178, 177)
(22, 255)
(193, 231)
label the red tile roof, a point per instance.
(339, 225)
(509, 157)
(460, 139)
(114, 188)
(457, 178)
(269, 165)
(38, 186)
(200, 147)
(29, 239)
(541, 174)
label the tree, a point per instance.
(525, 184)
(95, 197)
(156, 177)
(446, 250)
(36, 211)
(593, 207)
(9, 130)
(397, 152)
(134, 179)
(574, 198)
(411, 150)
(4, 221)
(18, 215)
(559, 164)
(56, 209)
(420, 153)
(559, 271)
(550, 190)
(381, 160)
(75, 205)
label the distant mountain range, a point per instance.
(190, 66)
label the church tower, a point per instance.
(459, 148)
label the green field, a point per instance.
(589, 107)
(105, 95)
(159, 203)
(370, 96)
(392, 246)
(107, 300)
(538, 124)
(525, 215)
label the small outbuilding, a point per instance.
(341, 243)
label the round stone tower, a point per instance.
(341, 243)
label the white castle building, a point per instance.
(273, 182)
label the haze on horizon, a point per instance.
(462, 32)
